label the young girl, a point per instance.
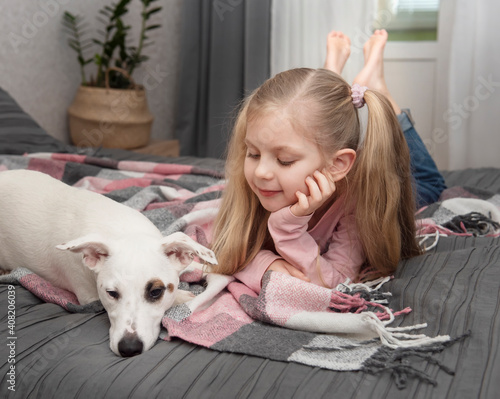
(309, 193)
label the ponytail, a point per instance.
(382, 189)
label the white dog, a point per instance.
(98, 249)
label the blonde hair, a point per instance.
(378, 187)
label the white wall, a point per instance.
(41, 72)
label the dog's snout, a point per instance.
(130, 345)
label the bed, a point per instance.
(453, 287)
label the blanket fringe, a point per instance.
(396, 360)
(394, 338)
(423, 238)
(474, 223)
(359, 297)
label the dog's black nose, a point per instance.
(130, 346)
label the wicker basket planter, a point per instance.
(110, 118)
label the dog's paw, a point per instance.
(183, 296)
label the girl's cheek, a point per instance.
(300, 185)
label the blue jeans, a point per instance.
(429, 183)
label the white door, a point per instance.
(417, 76)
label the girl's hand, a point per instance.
(321, 188)
(282, 266)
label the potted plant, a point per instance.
(110, 109)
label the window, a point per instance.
(408, 20)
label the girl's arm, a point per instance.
(266, 260)
(338, 260)
(300, 253)
(252, 274)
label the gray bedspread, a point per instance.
(455, 288)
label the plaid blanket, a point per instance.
(290, 320)
(462, 211)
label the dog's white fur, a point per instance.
(98, 249)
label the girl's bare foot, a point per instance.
(372, 74)
(338, 49)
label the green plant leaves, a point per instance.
(112, 42)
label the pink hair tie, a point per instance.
(357, 94)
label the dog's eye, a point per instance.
(113, 294)
(156, 293)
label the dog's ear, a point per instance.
(94, 251)
(181, 249)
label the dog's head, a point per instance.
(137, 282)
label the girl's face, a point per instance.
(278, 160)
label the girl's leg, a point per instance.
(428, 181)
(372, 74)
(338, 49)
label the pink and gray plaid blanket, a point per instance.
(343, 329)
(460, 211)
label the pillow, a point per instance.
(19, 133)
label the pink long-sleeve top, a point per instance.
(340, 254)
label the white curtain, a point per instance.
(299, 29)
(473, 115)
